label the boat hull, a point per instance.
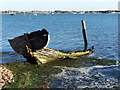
(30, 42)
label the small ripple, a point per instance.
(11, 57)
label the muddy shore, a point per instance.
(82, 72)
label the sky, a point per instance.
(51, 5)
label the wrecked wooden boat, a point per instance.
(32, 47)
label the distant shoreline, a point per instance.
(56, 12)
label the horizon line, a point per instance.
(64, 10)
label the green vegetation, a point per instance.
(28, 75)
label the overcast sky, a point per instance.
(51, 5)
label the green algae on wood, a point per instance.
(46, 55)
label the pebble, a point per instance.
(6, 76)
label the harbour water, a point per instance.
(65, 32)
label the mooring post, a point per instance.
(84, 35)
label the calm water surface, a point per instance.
(65, 32)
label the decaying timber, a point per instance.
(46, 55)
(32, 47)
(30, 42)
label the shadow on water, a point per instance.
(11, 57)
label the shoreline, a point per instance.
(57, 12)
(28, 75)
